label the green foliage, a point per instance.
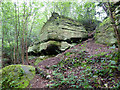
(68, 53)
(69, 62)
(39, 59)
(12, 19)
(86, 15)
(93, 72)
(62, 7)
(105, 22)
(100, 54)
(70, 82)
(116, 56)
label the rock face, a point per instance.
(16, 76)
(58, 34)
(105, 33)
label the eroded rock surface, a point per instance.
(58, 34)
(105, 33)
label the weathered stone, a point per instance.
(105, 33)
(62, 28)
(65, 46)
(50, 46)
(16, 76)
(57, 34)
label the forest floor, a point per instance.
(89, 47)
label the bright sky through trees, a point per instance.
(98, 9)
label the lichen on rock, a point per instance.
(105, 33)
(16, 76)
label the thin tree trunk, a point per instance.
(17, 53)
(2, 41)
(22, 48)
(3, 26)
(104, 6)
(26, 42)
(26, 50)
(14, 55)
(2, 34)
(23, 36)
(18, 36)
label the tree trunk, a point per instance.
(14, 55)
(104, 6)
(23, 31)
(2, 42)
(26, 42)
(22, 53)
(2, 37)
(115, 28)
(17, 53)
(27, 51)
(18, 61)
(16, 37)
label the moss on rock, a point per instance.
(105, 33)
(57, 34)
(17, 76)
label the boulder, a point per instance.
(16, 76)
(58, 34)
(105, 33)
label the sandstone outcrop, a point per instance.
(58, 34)
(105, 33)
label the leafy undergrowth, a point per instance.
(78, 70)
(86, 65)
(37, 60)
